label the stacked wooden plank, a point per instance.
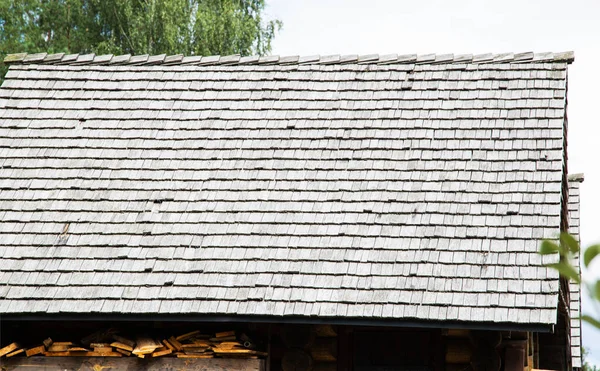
(11, 350)
(222, 344)
(109, 343)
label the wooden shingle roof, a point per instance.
(411, 190)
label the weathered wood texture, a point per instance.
(296, 360)
(324, 350)
(8, 349)
(130, 364)
(514, 359)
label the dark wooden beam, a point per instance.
(348, 321)
(129, 364)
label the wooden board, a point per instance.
(99, 345)
(130, 364)
(60, 346)
(123, 346)
(8, 349)
(225, 334)
(161, 353)
(202, 342)
(176, 344)
(124, 340)
(168, 345)
(37, 350)
(145, 345)
(230, 345)
(230, 352)
(82, 354)
(47, 343)
(107, 349)
(123, 352)
(187, 336)
(203, 356)
(15, 353)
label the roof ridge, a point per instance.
(236, 59)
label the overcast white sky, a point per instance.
(470, 26)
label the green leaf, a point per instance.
(591, 320)
(548, 247)
(569, 241)
(590, 253)
(597, 290)
(566, 270)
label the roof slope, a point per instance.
(400, 191)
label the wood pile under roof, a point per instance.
(110, 343)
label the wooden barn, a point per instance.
(326, 213)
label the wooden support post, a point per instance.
(269, 357)
(346, 348)
(536, 350)
(515, 352)
(529, 353)
(514, 359)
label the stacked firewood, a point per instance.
(110, 343)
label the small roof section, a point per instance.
(575, 181)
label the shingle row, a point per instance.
(179, 59)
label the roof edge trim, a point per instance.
(237, 60)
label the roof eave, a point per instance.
(346, 321)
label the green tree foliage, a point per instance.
(566, 247)
(190, 27)
(586, 366)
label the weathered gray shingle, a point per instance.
(354, 186)
(575, 290)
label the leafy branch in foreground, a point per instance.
(586, 366)
(567, 247)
